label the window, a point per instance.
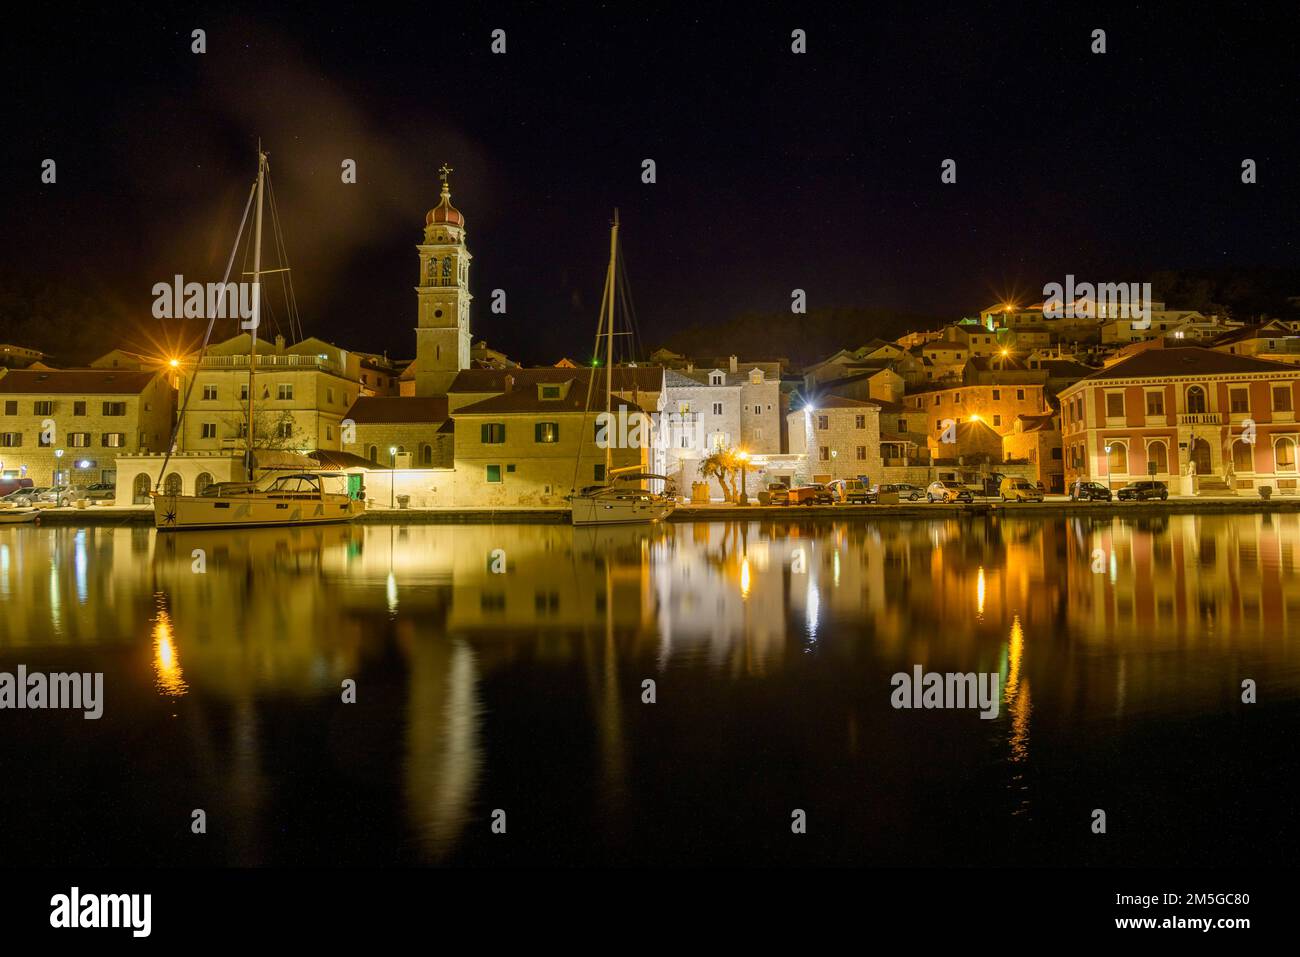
(997, 420)
(44, 439)
(1281, 398)
(79, 440)
(1239, 401)
(1243, 457)
(902, 425)
(113, 440)
(598, 472)
(546, 432)
(329, 431)
(494, 474)
(550, 392)
(1284, 455)
(938, 399)
(285, 429)
(209, 430)
(1020, 395)
(862, 453)
(284, 392)
(1195, 400)
(492, 433)
(997, 395)
(426, 454)
(859, 421)
(758, 410)
(329, 395)
(1158, 456)
(717, 408)
(11, 440)
(1155, 403)
(243, 392)
(1118, 458)
(715, 378)
(956, 398)
(209, 393)
(115, 408)
(11, 407)
(202, 482)
(823, 422)
(44, 407)
(824, 453)
(1115, 404)
(373, 454)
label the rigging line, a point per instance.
(180, 417)
(286, 278)
(637, 346)
(591, 382)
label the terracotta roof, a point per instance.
(1186, 361)
(332, 461)
(820, 402)
(525, 400)
(643, 378)
(76, 381)
(393, 408)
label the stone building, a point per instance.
(69, 426)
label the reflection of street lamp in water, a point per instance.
(58, 478)
(392, 474)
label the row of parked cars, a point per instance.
(32, 495)
(856, 492)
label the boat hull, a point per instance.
(173, 512)
(602, 510)
(18, 516)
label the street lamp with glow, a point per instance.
(392, 475)
(744, 461)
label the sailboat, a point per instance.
(623, 500)
(300, 498)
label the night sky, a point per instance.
(775, 171)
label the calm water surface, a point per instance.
(1121, 646)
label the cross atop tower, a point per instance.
(444, 172)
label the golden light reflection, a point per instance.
(168, 677)
(979, 592)
(744, 578)
(1017, 693)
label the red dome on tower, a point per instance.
(444, 212)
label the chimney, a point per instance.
(732, 362)
(509, 382)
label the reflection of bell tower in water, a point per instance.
(442, 341)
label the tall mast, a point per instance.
(257, 307)
(609, 346)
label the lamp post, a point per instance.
(392, 475)
(58, 484)
(744, 496)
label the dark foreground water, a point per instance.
(502, 668)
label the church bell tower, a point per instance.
(442, 341)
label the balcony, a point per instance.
(1200, 418)
(292, 361)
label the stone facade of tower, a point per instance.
(442, 337)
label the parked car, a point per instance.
(1143, 491)
(25, 496)
(1019, 490)
(906, 493)
(1089, 492)
(101, 492)
(62, 493)
(813, 494)
(851, 492)
(948, 492)
(777, 494)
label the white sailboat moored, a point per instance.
(297, 498)
(623, 500)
